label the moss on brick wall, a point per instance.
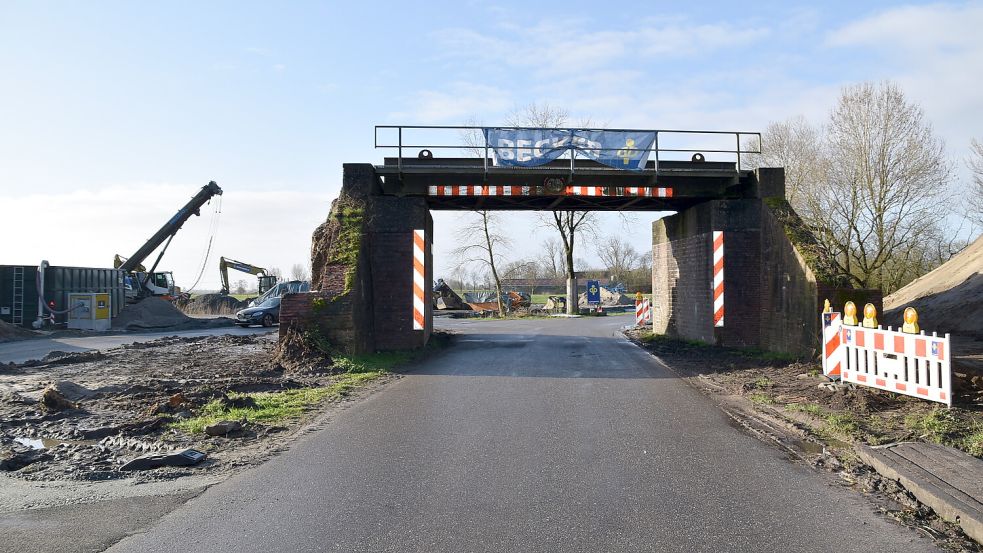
(800, 235)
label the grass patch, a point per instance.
(973, 443)
(383, 361)
(273, 407)
(843, 424)
(936, 425)
(761, 399)
(763, 382)
(810, 408)
(765, 355)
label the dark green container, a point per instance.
(18, 289)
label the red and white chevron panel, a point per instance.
(718, 278)
(638, 191)
(478, 190)
(832, 355)
(643, 313)
(419, 279)
(482, 190)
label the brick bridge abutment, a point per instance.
(362, 271)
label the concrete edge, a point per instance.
(973, 527)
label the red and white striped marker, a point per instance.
(832, 357)
(419, 279)
(642, 313)
(718, 278)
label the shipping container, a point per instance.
(19, 290)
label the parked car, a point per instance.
(266, 314)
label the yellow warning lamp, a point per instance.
(638, 297)
(827, 308)
(850, 314)
(870, 316)
(910, 325)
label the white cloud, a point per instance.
(456, 103)
(934, 52)
(564, 47)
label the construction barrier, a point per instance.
(643, 313)
(419, 278)
(718, 278)
(832, 354)
(909, 363)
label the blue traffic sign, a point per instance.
(593, 292)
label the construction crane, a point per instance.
(266, 280)
(162, 284)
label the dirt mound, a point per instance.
(150, 313)
(608, 299)
(12, 333)
(211, 304)
(948, 299)
(295, 353)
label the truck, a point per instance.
(141, 282)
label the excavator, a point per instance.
(266, 280)
(140, 282)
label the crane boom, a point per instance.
(171, 227)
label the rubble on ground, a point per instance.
(11, 333)
(487, 301)
(211, 304)
(83, 417)
(445, 298)
(294, 353)
(154, 312)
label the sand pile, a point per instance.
(608, 299)
(948, 299)
(11, 333)
(150, 313)
(211, 304)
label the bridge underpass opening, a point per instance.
(367, 279)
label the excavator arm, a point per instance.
(266, 280)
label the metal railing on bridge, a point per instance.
(472, 142)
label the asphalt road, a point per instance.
(36, 348)
(551, 435)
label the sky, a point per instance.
(113, 114)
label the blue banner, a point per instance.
(534, 147)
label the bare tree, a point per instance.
(975, 163)
(619, 257)
(299, 272)
(796, 145)
(570, 225)
(241, 286)
(897, 173)
(275, 271)
(481, 239)
(871, 184)
(552, 258)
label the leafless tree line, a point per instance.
(874, 183)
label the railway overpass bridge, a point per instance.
(367, 278)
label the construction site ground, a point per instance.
(824, 423)
(157, 397)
